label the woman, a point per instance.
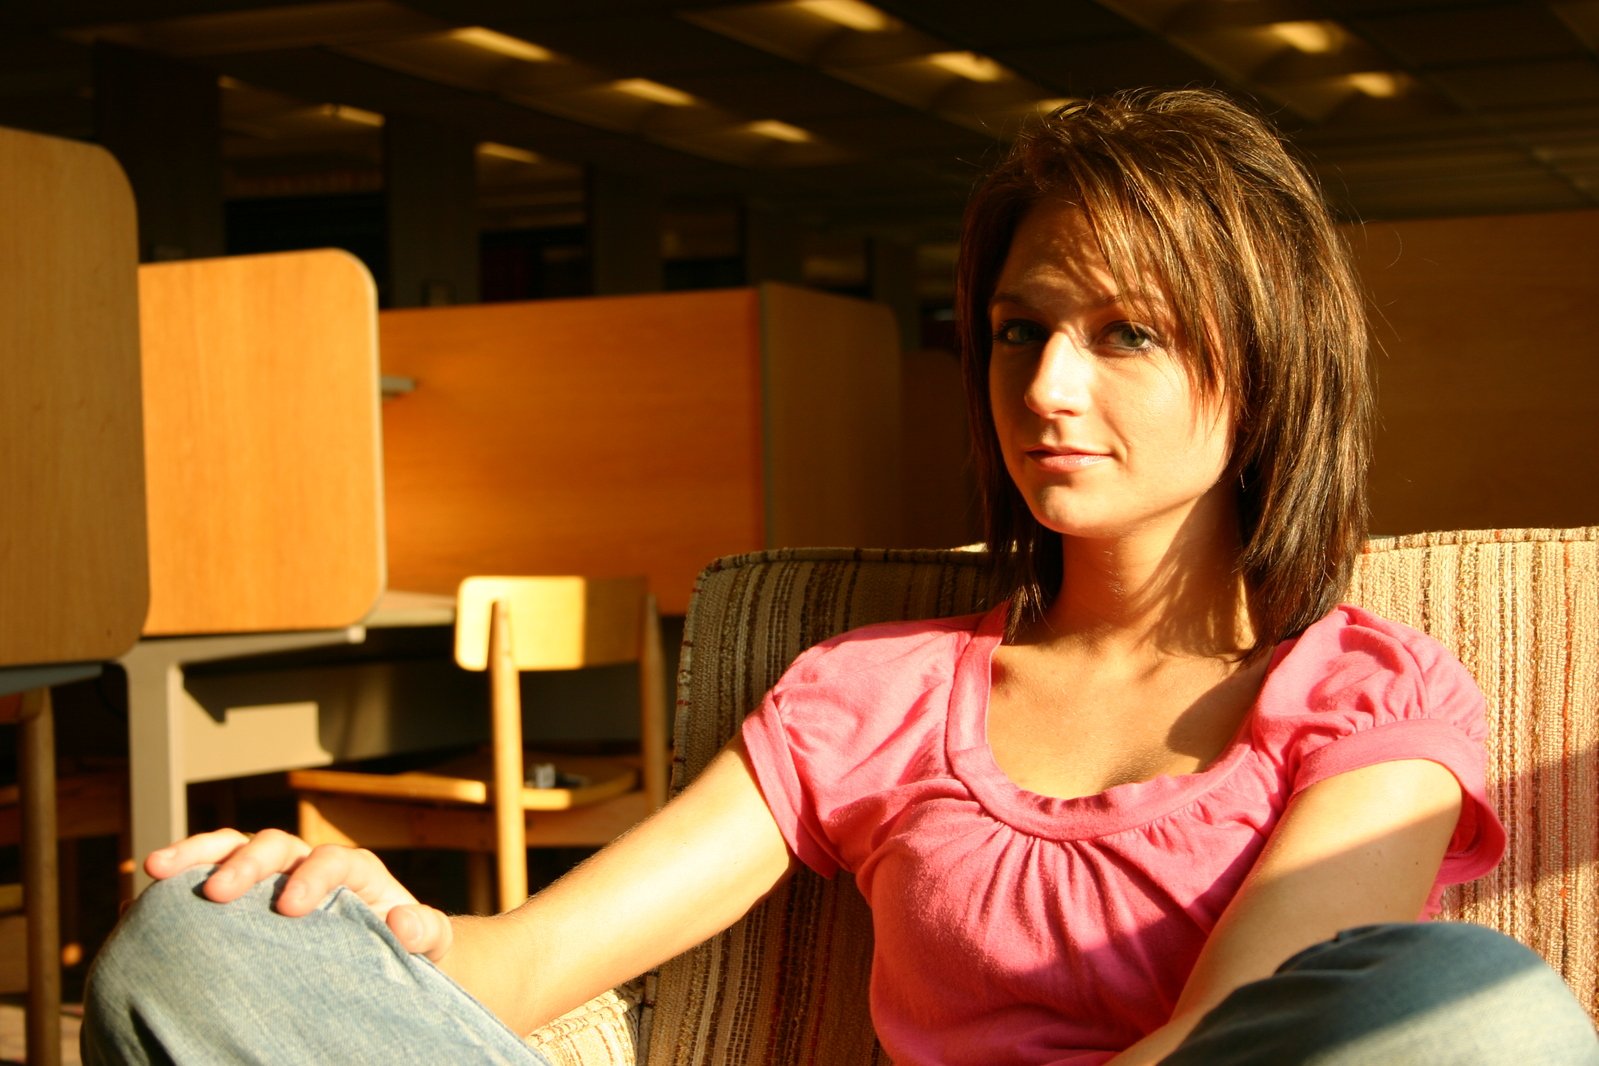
(1122, 817)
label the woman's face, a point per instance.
(1098, 420)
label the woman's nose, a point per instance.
(1061, 377)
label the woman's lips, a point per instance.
(1064, 460)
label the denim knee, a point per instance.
(183, 979)
(1428, 992)
(168, 949)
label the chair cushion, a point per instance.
(603, 1030)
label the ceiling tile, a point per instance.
(997, 25)
(1459, 36)
(1107, 65)
(1491, 86)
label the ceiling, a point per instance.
(854, 118)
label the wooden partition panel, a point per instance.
(262, 443)
(832, 401)
(72, 542)
(605, 436)
(939, 486)
(1488, 372)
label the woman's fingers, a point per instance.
(202, 849)
(422, 930)
(260, 857)
(243, 860)
(330, 866)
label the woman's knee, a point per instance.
(172, 918)
(1438, 962)
(1456, 992)
(1422, 992)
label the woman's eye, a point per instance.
(1130, 336)
(1019, 332)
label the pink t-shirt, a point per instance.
(1019, 928)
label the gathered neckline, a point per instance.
(1116, 809)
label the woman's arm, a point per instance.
(678, 879)
(1358, 848)
(687, 873)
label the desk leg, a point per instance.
(156, 779)
(40, 877)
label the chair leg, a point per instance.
(480, 882)
(40, 878)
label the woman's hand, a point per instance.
(242, 861)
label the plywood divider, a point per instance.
(832, 391)
(72, 545)
(1488, 372)
(604, 436)
(262, 443)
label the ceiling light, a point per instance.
(851, 14)
(1378, 83)
(502, 44)
(653, 91)
(346, 113)
(1312, 38)
(968, 65)
(780, 131)
(508, 151)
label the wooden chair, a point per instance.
(484, 803)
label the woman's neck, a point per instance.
(1151, 595)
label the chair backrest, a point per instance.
(561, 622)
(507, 625)
(788, 984)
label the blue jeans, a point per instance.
(187, 980)
(1433, 993)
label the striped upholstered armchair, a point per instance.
(787, 985)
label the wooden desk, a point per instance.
(210, 707)
(264, 472)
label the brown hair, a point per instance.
(1190, 187)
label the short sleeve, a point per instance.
(838, 734)
(784, 782)
(1356, 690)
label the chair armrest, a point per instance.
(602, 1032)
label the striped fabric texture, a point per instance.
(787, 985)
